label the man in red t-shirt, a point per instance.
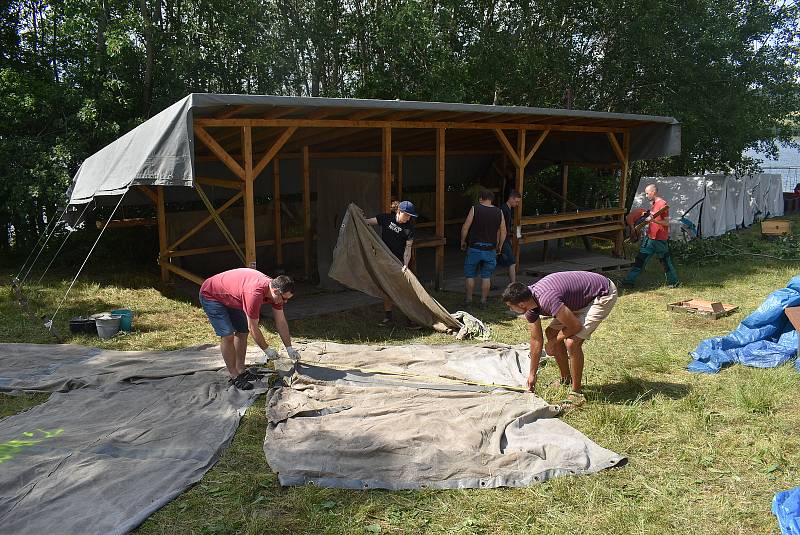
(655, 242)
(232, 301)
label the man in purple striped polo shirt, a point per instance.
(577, 301)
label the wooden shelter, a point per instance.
(233, 141)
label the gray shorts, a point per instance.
(591, 316)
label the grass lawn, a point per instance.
(706, 452)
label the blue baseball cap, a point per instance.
(408, 208)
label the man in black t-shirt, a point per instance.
(397, 232)
(482, 236)
(506, 256)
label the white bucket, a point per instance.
(107, 325)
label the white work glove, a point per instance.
(293, 353)
(269, 354)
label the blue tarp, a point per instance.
(764, 339)
(786, 506)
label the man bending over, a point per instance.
(578, 301)
(232, 301)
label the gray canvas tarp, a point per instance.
(59, 368)
(139, 429)
(160, 151)
(362, 261)
(362, 417)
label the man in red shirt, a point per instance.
(232, 301)
(655, 242)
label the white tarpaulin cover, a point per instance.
(716, 203)
(683, 194)
(360, 416)
(125, 434)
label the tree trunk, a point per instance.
(149, 45)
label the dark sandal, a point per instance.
(252, 374)
(240, 382)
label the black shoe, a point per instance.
(676, 285)
(482, 305)
(240, 382)
(252, 374)
(385, 322)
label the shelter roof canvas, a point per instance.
(162, 150)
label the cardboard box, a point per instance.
(776, 227)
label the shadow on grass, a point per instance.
(633, 389)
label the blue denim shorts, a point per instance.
(225, 320)
(506, 257)
(486, 259)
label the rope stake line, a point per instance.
(49, 222)
(63, 243)
(55, 224)
(49, 323)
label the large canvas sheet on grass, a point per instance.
(103, 457)
(392, 417)
(59, 368)
(362, 261)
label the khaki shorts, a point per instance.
(591, 316)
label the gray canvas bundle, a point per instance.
(392, 417)
(140, 429)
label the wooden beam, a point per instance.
(615, 146)
(161, 215)
(197, 279)
(386, 169)
(205, 221)
(564, 186)
(127, 223)
(572, 216)
(249, 199)
(345, 123)
(624, 173)
(510, 152)
(535, 147)
(218, 151)
(554, 234)
(277, 146)
(440, 192)
(220, 182)
(223, 248)
(307, 241)
(519, 183)
(230, 111)
(276, 204)
(150, 194)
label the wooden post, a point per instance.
(307, 241)
(400, 177)
(623, 155)
(623, 190)
(520, 163)
(276, 202)
(440, 159)
(163, 258)
(386, 168)
(249, 201)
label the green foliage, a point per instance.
(76, 74)
(732, 246)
